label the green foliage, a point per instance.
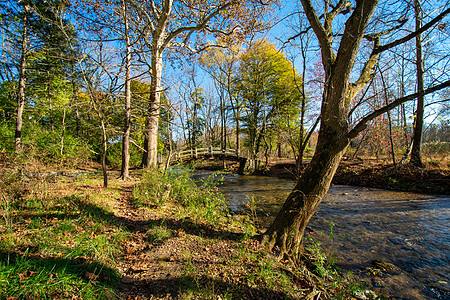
(59, 247)
(8, 101)
(47, 144)
(157, 189)
(269, 87)
(323, 266)
(6, 137)
(159, 233)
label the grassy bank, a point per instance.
(57, 239)
(156, 237)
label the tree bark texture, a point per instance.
(153, 111)
(124, 171)
(287, 230)
(150, 155)
(416, 150)
(22, 83)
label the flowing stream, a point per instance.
(407, 230)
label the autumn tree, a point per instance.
(335, 134)
(185, 25)
(222, 63)
(267, 87)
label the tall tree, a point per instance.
(268, 90)
(22, 78)
(287, 230)
(124, 171)
(170, 24)
(416, 155)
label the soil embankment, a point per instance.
(367, 173)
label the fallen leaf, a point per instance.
(90, 276)
(26, 274)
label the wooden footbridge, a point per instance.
(247, 163)
(208, 152)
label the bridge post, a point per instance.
(242, 165)
(196, 153)
(210, 150)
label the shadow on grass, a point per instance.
(204, 287)
(187, 225)
(73, 207)
(39, 270)
(77, 203)
(203, 230)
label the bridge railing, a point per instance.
(194, 153)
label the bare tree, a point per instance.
(124, 171)
(287, 230)
(416, 156)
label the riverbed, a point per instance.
(406, 230)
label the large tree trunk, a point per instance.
(416, 155)
(22, 83)
(151, 125)
(289, 226)
(124, 171)
(287, 230)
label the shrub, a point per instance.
(156, 189)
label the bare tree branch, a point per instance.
(198, 26)
(325, 40)
(413, 34)
(361, 125)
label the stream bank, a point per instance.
(397, 242)
(358, 172)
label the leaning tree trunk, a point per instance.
(289, 226)
(287, 230)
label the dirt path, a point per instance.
(143, 274)
(163, 248)
(172, 256)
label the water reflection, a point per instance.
(407, 230)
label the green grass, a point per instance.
(37, 277)
(202, 202)
(58, 243)
(159, 233)
(63, 241)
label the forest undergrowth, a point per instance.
(158, 236)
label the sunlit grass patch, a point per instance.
(62, 243)
(159, 233)
(203, 203)
(36, 277)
